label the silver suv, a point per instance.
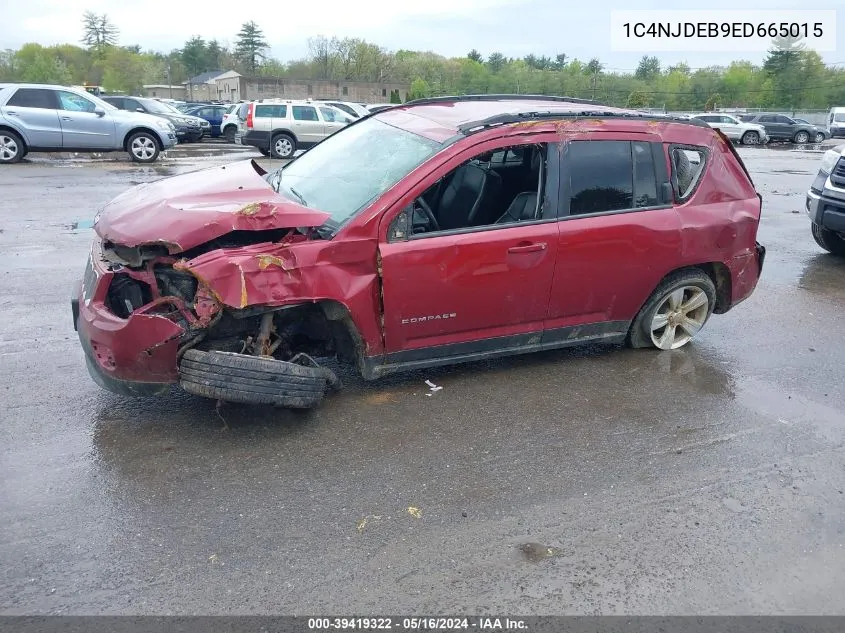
(46, 118)
(279, 127)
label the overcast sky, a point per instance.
(450, 27)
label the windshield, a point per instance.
(348, 170)
(159, 107)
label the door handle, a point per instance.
(528, 248)
(67, 118)
(11, 113)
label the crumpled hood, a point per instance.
(181, 212)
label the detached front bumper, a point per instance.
(132, 356)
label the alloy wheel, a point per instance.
(679, 317)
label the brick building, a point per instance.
(232, 86)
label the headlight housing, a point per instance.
(829, 160)
(163, 124)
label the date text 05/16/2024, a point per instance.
(417, 624)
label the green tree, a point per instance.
(593, 67)
(98, 32)
(195, 56)
(648, 68)
(637, 99)
(713, 102)
(251, 46)
(475, 56)
(394, 97)
(419, 89)
(496, 62)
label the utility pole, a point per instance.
(169, 82)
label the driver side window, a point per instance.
(485, 192)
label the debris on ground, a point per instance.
(415, 512)
(432, 387)
(536, 552)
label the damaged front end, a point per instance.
(145, 303)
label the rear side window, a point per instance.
(277, 111)
(687, 167)
(34, 98)
(305, 113)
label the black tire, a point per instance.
(639, 334)
(819, 138)
(801, 137)
(282, 146)
(143, 147)
(264, 152)
(750, 138)
(12, 148)
(254, 380)
(229, 133)
(831, 241)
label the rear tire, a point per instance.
(143, 147)
(254, 379)
(682, 303)
(12, 148)
(282, 146)
(801, 138)
(831, 241)
(229, 133)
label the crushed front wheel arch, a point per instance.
(254, 380)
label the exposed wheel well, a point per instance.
(141, 129)
(7, 128)
(275, 133)
(720, 275)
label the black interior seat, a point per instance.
(469, 189)
(523, 208)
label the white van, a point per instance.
(836, 122)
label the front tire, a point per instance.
(819, 138)
(254, 379)
(751, 138)
(831, 241)
(143, 147)
(801, 138)
(282, 146)
(676, 311)
(12, 148)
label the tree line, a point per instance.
(790, 78)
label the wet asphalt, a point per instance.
(597, 480)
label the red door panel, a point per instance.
(608, 265)
(466, 287)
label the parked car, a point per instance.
(50, 118)
(211, 114)
(188, 128)
(826, 202)
(229, 125)
(780, 127)
(280, 127)
(377, 107)
(354, 110)
(836, 122)
(439, 232)
(734, 129)
(821, 131)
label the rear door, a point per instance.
(776, 126)
(82, 128)
(35, 112)
(729, 126)
(618, 233)
(307, 124)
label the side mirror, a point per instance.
(139, 109)
(99, 112)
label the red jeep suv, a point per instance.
(439, 231)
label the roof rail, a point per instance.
(508, 118)
(499, 97)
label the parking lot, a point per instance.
(707, 480)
